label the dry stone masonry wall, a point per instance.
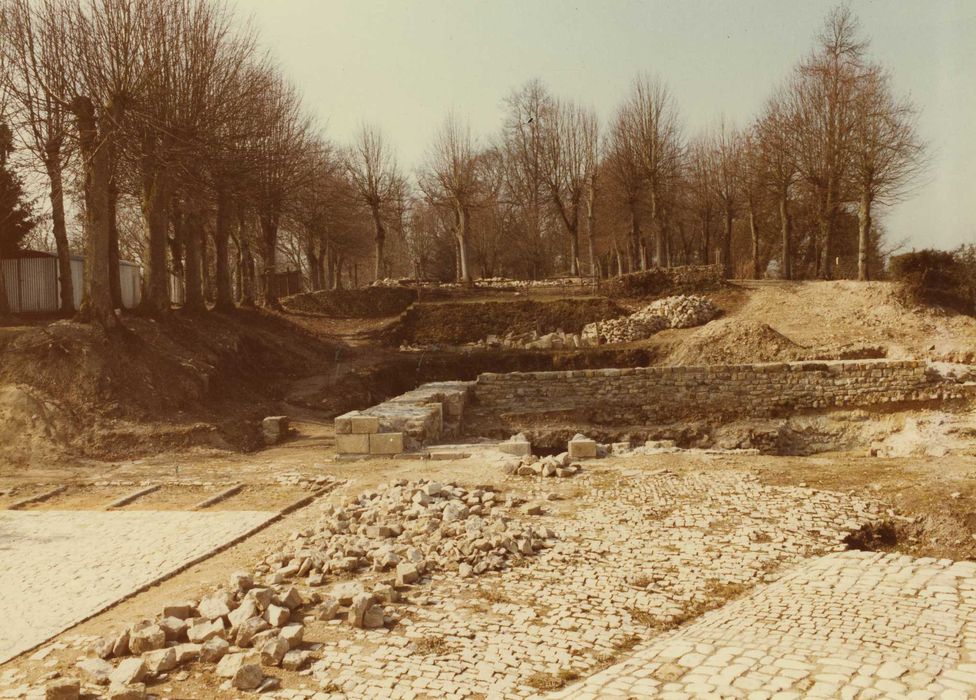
(406, 422)
(667, 394)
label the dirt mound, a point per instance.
(185, 380)
(734, 341)
(459, 323)
(371, 302)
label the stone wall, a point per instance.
(660, 281)
(429, 413)
(661, 395)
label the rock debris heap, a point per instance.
(670, 312)
(396, 534)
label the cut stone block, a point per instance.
(582, 448)
(343, 423)
(365, 425)
(274, 429)
(352, 444)
(521, 448)
(385, 443)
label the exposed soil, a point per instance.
(452, 323)
(155, 385)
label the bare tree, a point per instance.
(279, 148)
(524, 144)
(701, 182)
(372, 166)
(625, 167)
(779, 169)
(823, 105)
(451, 177)
(651, 115)
(35, 55)
(567, 164)
(726, 166)
(887, 154)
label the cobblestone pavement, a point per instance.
(638, 551)
(59, 567)
(850, 625)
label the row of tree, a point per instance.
(182, 146)
(798, 186)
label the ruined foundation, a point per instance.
(502, 404)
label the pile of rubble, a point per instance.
(560, 465)
(670, 312)
(413, 527)
(398, 533)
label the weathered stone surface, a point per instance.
(353, 444)
(250, 628)
(128, 671)
(406, 573)
(247, 677)
(62, 689)
(276, 615)
(274, 429)
(215, 606)
(214, 649)
(358, 607)
(133, 691)
(273, 651)
(204, 630)
(146, 638)
(293, 634)
(160, 660)
(386, 443)
(96, 670)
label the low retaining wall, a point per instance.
(406, 422)
(663, 280)
(656, 395)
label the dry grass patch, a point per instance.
(549, 681)
(432, 646)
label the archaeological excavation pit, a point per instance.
(774, 408)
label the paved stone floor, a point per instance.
(59, 567)
(639, 551)
(850, 625)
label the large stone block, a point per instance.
(352, 444)
(582, 448)
(385, 443)
(365, 425)
(274, 429)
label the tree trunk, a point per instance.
(591, 234)
(4, 302)
(206, 270)
(225, 215)
(247, 275)
(54, 174)
(193, 233)
(574, 251)
(269, 241)
(97, 305)
(658, 232)
(727, 246)
(113, 246)
(380, 238)
(827, 237)
(463, 230)
(155, 215)
(863, 235)
(754, 232)
(786, 224)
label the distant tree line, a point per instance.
(183, 147)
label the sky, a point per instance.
(404, 65)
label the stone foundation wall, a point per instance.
(429, 413)
(656, 395)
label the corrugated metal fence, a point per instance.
(34, 286)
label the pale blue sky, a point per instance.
(403, 65)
